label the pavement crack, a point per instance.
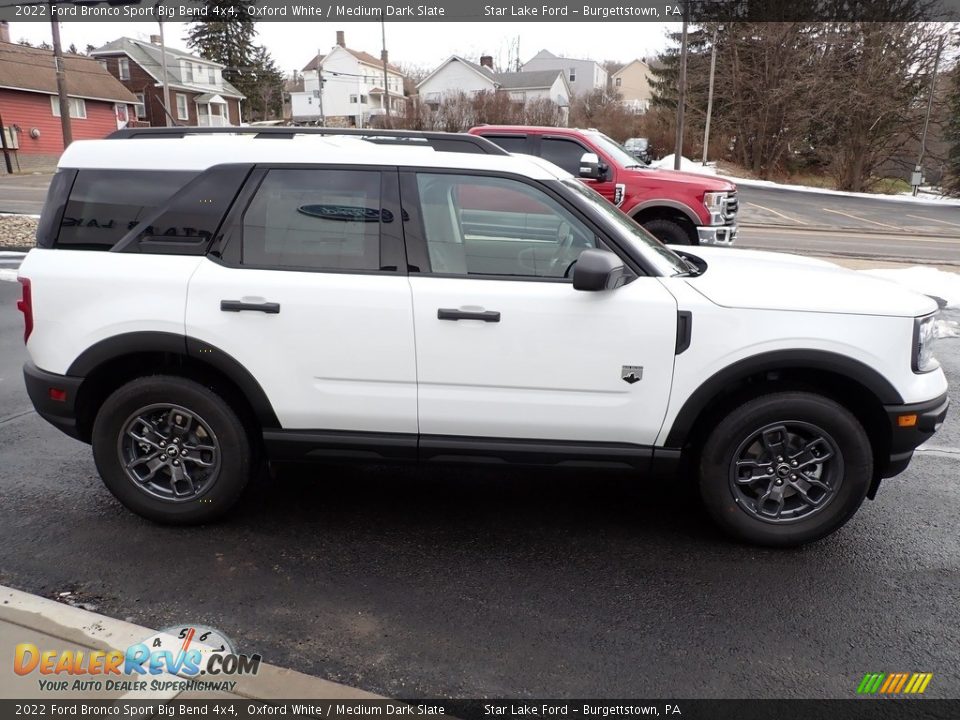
(9, 418)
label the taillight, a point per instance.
(25, 305)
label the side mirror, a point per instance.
(590, 166)
(598, 270)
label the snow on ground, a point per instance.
(8, 275)
(687, 165)
(929, 281)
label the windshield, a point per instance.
(664, 260)
(615, 150)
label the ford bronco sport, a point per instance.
(200, 299)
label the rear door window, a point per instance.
(564, 153)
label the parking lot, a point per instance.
(495, 582)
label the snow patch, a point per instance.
(920, 200)
(686, 165)
(8, 275)
(12, 254)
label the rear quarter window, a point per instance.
(104, 205)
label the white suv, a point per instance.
(198, 301)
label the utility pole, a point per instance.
(65, 127)
(166, 82)
(681, 90)
(386, 79)
(918, 171)
(713, 68)
(320, 81)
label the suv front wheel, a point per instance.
(171, 450)
(785, 469)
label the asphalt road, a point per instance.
(500, 582)
(23, 193)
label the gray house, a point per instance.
(583, 76)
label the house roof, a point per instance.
(360, 55)
(484, 72)
(26, 68)
(632, 62)
(527, 79)
(150, 58)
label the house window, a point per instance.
(140, 108)
(573, 74)
(124, 65)
(363, 99)
(78, 107)
(187, 72)
(182, 112)
(212, 76)
(353, 98)
(617, 81)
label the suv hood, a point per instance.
(753, 279)
(703, 183)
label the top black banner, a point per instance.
(484, 11)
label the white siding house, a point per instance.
(583, 76)
(352, 89)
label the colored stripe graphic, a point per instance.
(894, 683)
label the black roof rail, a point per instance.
(440, 141)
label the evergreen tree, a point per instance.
(228, 40)
(266, 100)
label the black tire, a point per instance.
(219, 463)
(669, 232)
(758, 498)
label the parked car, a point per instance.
(640, 149)
(199, 300)
(679, 208)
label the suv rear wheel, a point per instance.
(171, 450)
(785, 469)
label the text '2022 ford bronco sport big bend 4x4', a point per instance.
(196, 301)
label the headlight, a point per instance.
(924, 335)
(713, 201)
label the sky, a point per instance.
(422, 44)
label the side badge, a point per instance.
(619, 190)
(631, 373)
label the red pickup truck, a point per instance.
(679, 208)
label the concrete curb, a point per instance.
(847, 229)
(24, 617)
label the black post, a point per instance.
(6, 150)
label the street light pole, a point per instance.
(918, 171)
(64, 103)
(386, 79)
(681, 92)
(166, 81)
(713, 68)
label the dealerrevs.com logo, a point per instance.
(173, 659)
(902, 683)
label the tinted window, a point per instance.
(497, 226)
(315, 219)
(510, 143)
(564, 153)
(105, 204)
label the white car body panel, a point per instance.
(81, 298)
(552, 367)
(338, 356)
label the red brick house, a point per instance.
(31, 111)
(199, 95)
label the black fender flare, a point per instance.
(820, 360)
(202, 352)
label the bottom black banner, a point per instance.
(859, 709)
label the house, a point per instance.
(455, 75)
(352, 88)
(30, 106)
(583, 76)
(632, 83)
(199, 94)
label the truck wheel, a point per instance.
(785, 469)
(171, 450)
(669, 232)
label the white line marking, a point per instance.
(778, 213)
(862, 219)
(945, 222)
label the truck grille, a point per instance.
(730, 207)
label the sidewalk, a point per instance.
(50, 625)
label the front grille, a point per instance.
(730, 207)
